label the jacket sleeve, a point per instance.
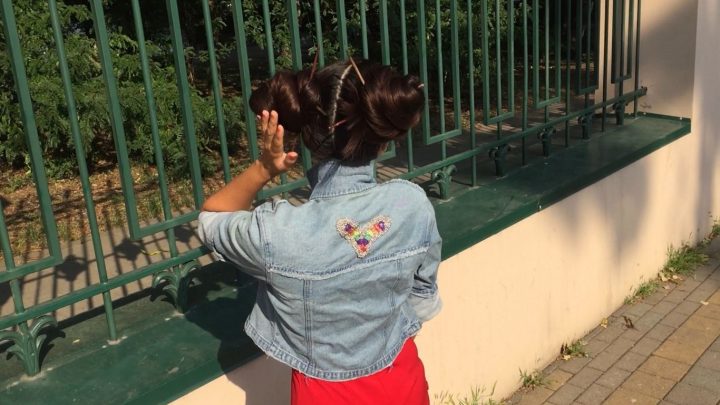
(424, 296)
(235, 237)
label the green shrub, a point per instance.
(50, 108)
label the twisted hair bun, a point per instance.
(282, 94)
(339, 116)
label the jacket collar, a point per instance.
(331, 178)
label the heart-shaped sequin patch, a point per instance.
(362, 237)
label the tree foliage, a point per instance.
(50, 106)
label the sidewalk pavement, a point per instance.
(667, 351)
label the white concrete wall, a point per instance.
(513, 299)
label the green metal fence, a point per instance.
(506, 82)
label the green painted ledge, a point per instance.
(164, 355)
(477, 213)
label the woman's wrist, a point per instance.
(263, 172)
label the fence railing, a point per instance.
(506, 82)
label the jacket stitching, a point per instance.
(292, 272)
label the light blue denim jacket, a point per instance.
(336, 298)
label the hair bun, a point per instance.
(282, 93)
(392, 103)
(345, 111)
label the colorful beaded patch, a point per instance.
(362, 237)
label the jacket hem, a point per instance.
(304, 367)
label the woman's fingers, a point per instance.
(272, 126)
(277, 140)
(264, 116)
(290, 158)
(273, 133)
(273, 154)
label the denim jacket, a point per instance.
(344, 279)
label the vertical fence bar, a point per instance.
(403, 38)
(558, 56)
(568, 82)
(152, 110)
(363, 26)
(245, 84)
(116, 120)
(580, 48)
(9, 260)
(579, 58)
(547, 51)
(589, 37)
(536, 52)
(637, 58)
(455, 50)
(270, 50)
(605, 63)
(159, 163)
(296, 49)
(82, 166)
(30, 129)
(439, 62)
(15, 290)
(498, 64)
(384, 33)
(38, 170)
(579, 45)
(511, 58)
(471, 85)
(150, 98)
(558, 52)
(588, 60)
(342, 29)
(216, 89)
(630, 39)
(268, 37)
(538, 100)
(523, 156)
(484, 51)
(405, 70)
(191, 148)
(621, 62)
(546, 112)
(318, 34)
(422, 56)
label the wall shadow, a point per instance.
(265, 382)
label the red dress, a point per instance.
(401, 383)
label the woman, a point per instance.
(346, 279)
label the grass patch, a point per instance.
(643, 291)
(574, 349)
(477, 397)
(715, 231)
(683, 261)
(532, 380)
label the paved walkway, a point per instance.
(664, 349)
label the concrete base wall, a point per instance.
(512, 300)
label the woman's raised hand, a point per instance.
(273, 157)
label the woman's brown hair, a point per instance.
(346, 111)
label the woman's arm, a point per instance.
(240, 192)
